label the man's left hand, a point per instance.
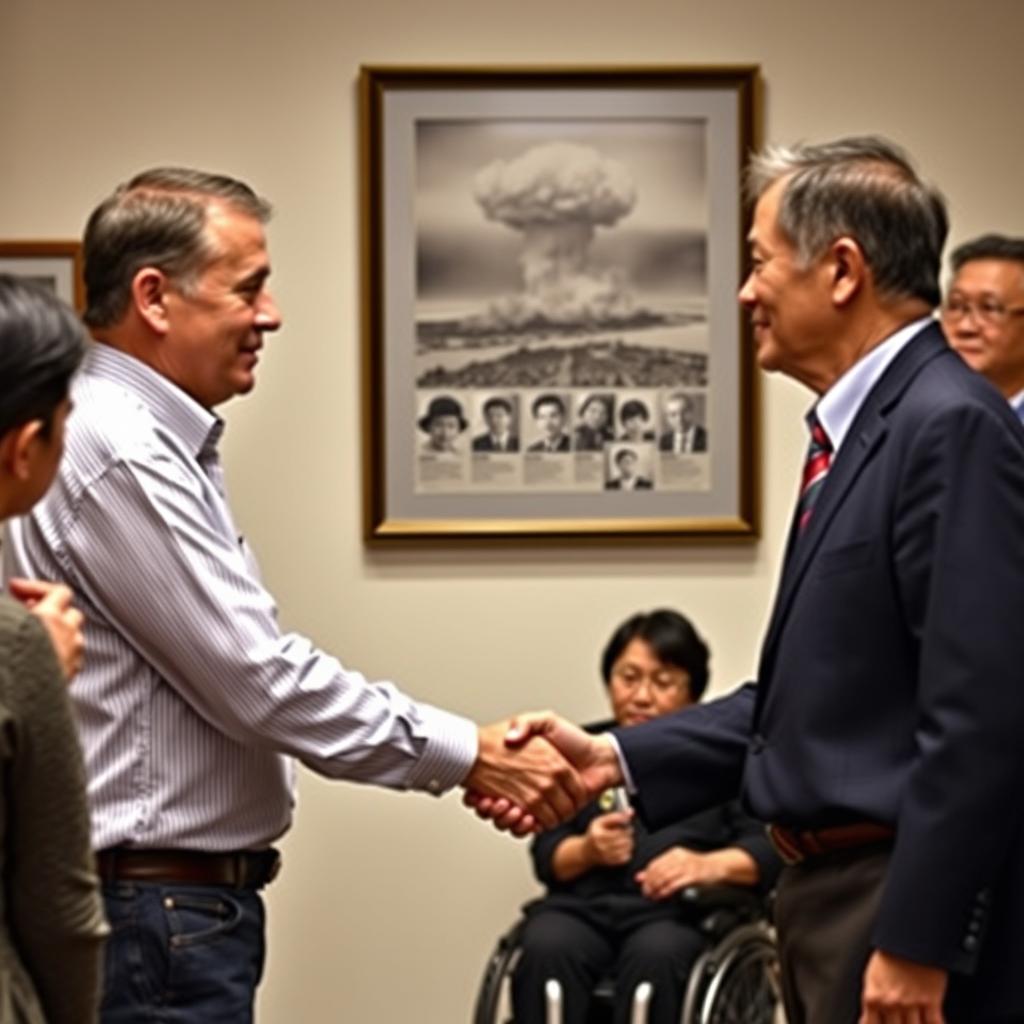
(898, 991)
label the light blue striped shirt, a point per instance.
(192, 703)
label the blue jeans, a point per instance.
(181, 954)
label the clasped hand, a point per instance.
(537, 770)
(51, 604)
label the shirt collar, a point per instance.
(1017, 404)
(838, 407)
(197, 427)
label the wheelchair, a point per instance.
(734, 981)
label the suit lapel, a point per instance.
(866, 435)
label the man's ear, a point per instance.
(848, 270)
(149, 296)
(16, 447)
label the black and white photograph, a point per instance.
(634, 416)
(564, 253)
(683, 430)
(629, 468)
(567, 248)
(498, 424)
(594, 418)
(56, 265)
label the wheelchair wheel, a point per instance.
(736, 982)
(492, 1002)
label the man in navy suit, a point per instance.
(883, 737)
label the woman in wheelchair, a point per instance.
(609, 905)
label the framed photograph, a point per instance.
(57, 265)
(553, 346)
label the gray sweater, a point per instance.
(52, 925)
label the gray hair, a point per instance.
(866, 188)
(158, 219)
(988, 247)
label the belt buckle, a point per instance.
(787, 849)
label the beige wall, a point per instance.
(388, 903)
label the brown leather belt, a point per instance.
(244, 869)
(797, 845)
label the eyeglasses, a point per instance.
(664, 681)
(989, 311)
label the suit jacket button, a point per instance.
(756, 743)
(971, 944)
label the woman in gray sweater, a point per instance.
(51, 917)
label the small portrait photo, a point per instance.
(683, 429)
(594, 419)
(443, 422)
(629, 468)
(549, 414)
(634, 423)
(498, 424)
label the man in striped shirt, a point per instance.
(192, 704)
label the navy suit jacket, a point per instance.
(889, 686)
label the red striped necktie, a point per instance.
(819, 458)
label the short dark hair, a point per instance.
(622, 453)
(41, 344)
(633, 408)
(498, 403)
(547, 399)
(158, 219)
(672, 638)
(988, 247)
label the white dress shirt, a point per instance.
(191, 702)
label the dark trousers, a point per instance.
(181, 954)
(577, 951)
(824, 911)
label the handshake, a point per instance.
(537, 770)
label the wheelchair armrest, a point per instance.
(720, 908)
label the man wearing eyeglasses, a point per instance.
(983, 314)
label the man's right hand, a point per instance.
(533, 777)
(608, 841)
(51, 603)
(593, 757)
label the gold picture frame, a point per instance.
(539, 243)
